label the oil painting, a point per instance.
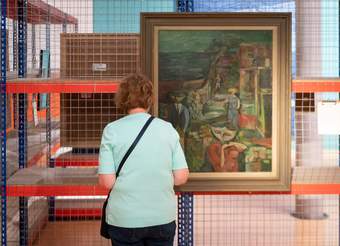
(220, 103)
(219, 87)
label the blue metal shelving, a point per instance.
(22, 70)
(185, 200)
(185, 219)
(51, 200)
(15, 45)
(185, 6)
(3, 124)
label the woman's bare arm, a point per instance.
(107, 180)
(180, 176)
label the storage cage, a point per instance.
(61, 65)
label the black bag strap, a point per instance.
(133, 145)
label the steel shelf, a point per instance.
(35, 85)
(76, 160)
(316, 85)
(80, 181)
(61, 86)
(39, 12)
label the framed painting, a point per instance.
(224, 82)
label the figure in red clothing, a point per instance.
(224, 158)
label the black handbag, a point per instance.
(104, 232)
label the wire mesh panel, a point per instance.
(37, 144)
(218, 220)
(264, 220)
(99, 56)
(83, 116)
(76, 53)
(311, 148)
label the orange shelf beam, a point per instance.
(62, 86)
(66, 213)
(316, 85)
(111, 86)
(56, 190)
(76, 160)
(76, 163)
(95, 190)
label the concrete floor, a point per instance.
(71, 233)
(226, 220)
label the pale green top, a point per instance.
(143, 194)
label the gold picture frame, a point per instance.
(224, 81)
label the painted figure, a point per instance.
(218, 82)
(179, 114)
(224, 158)
(195, 105)
(223, 134)
(233, 106)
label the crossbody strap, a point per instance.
(133, 145)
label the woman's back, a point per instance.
(143, 194)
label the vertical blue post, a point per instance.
(15, 67)
(48, 98)
(22, 65)
(50, 163)
(64, 28)
(51, 200)
(3, 125)
(15, 45)
(186, 219)
(34, 58)
(186, 199)
(185, 6)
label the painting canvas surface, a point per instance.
(215, 87)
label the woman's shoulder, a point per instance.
(109, 127)
(163, 123)
(158, 124)
(165, 127)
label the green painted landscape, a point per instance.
(215, 87)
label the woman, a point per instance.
(142, 205)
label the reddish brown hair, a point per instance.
(135, 91)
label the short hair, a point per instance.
(135, 91)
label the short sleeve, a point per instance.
(106, 162)
(178, 157)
